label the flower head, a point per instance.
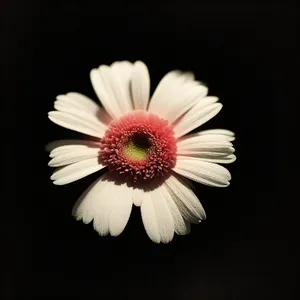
(145, 148)
(139, 145)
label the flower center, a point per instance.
(140, 146)
(137, 147)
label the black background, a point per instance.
(245, 51)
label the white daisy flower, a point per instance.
(145, 146)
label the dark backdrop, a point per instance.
(245, 51)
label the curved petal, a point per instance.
(184, 99)
(83, 109)
(122, 70)
(102, 208)
(217, 146)
(175, 95)
(214, 157)
(79, 101)
(111, 88)
(121, 208)
(209, 145)
(149, 219)
(108, 203)
(72, 156)
(203, 172)
(84, 208)
(157, 217)
(140, 86)
(76, 171)
(200, 113)
(221, 133)
(108, 101)
(99, 118)
(138, 196)
(163, 216)
(82, 123)
(212, 135)
(181, 226)
(185, 199)
(210, 150)
(62, 145)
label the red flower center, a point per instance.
(139, 145)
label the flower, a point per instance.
(146, 148)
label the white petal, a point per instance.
(157, 218)
(210, 145)
(149, 219)
(84, 207)
(103, 207)
(73, 156)
(95, 204)
(217, 131)
(168, 82)
(108, 203)
(189, 76)
(185, 199)
(203, 172)
(114, 88)
(110, 89)
(214, 157)
(91, 118)
(121, 208)
(206, 146)
(180, 225)
(163, 216)
(110, 104)
(122, 70)
(140, 86)
(213, 137)
(83, 108)
(222, 160)
(75, 123)
(61, 147)
(188, 226)
(56, 145)
(176, 93)
(184, 99)
(76, 171)
(138, 196)
(205, 136)
(200, 113)
(81, 102)
(211, 150)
